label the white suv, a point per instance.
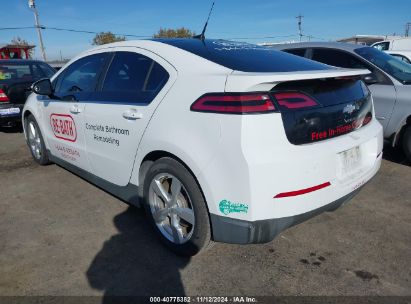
(218, 140)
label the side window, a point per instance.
(37, 72)
(298, 52)
(133, 78)
(337, 58)
(47, 70)
(81, 75)
(382, 46)
(400, 57)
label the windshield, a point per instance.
(396, 68)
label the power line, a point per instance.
(147, 36)
(69, 30)
(92, 32)
(16, 28)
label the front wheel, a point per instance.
(176, 207)
(406, 142)
(35, 141)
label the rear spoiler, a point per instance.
(263, 82)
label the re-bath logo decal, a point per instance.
(227, 207)
(63, 127)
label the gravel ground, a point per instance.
(60, 235)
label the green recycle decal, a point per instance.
(227, 207)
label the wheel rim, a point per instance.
(171, 208)
(34, 140)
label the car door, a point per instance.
(383, 91)
(63, 113)
(133, 86)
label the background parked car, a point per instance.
(402, 55)
(16, 76)
(389, 82)
(393, 44)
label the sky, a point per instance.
(252, 21)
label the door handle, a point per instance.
(132, 114)
(75, 109)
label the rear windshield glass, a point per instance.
(245, 57)
(21, 71)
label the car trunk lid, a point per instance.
(314, 106)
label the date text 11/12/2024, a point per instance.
(203, 299)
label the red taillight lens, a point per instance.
(3, 96)
(367, 119)
(233, 103)
(294, 100)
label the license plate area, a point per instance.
(9, 111)
(349, 162)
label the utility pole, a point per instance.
(407, 28)
(32, 5)
(300, 31)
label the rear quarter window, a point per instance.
(245, 57)
(298, 52)
(337, 58)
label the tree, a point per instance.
(181, 32)
(106, 37)
(20, 41)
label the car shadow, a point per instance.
(12, 129)
(395, 155)
(134, 262)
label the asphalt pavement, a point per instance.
(60, 235)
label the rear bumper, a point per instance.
(10, 118)
(235, 231)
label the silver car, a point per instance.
(389, 82)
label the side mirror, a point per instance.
(370, 79)
(42, 87)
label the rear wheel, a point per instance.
(35, 141)
(176, 207)
(406, 142)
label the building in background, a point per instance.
(14, 51)
(367, 39)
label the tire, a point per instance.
(406, 142)
(35, 141)
(176, 207)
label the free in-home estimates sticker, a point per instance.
(63, 127)
(227, 207)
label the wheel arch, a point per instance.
(397, 139)
(155, 155)
(26, 114)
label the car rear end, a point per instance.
(296, 138)
(305, 146)
(16, 77)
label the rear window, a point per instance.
(15, 72)
(298, 52)
(245, 57)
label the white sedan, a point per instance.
(218, 140)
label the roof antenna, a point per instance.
(202, 35)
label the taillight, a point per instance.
(234, 103)
(294, 100)
(367, 119)
(3, 96)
